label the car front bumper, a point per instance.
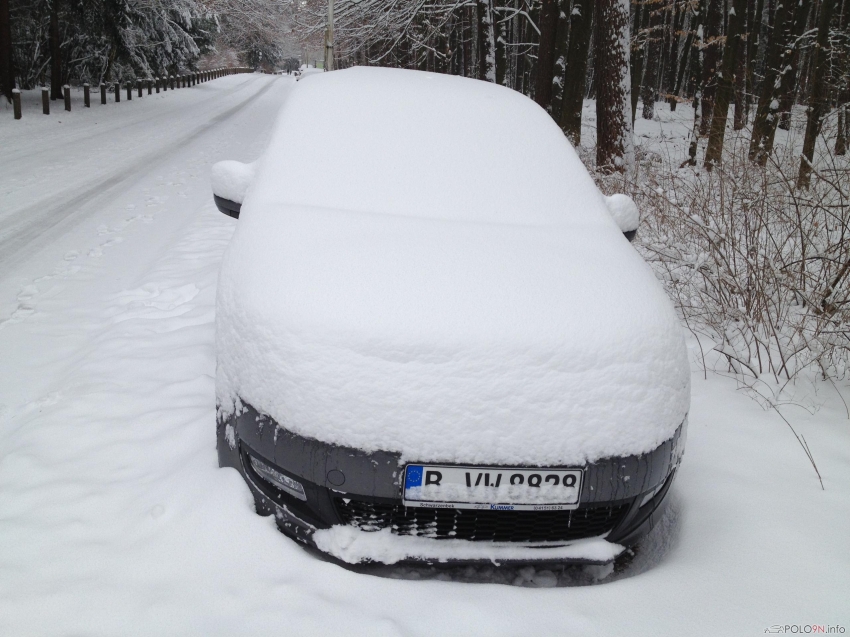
(351, 490)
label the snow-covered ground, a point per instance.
(115, 520)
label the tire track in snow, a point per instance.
(38, 223)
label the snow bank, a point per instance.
(448, 294)
(230, 179)
(353, 546)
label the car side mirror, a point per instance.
(230, 181)
(625, 214)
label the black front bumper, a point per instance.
(351, 487)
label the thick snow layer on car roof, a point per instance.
(521, 330)
(421, 144)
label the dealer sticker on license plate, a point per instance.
(497, 488)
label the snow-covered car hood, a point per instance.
(536, 335)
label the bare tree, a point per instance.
(819, 93)
(7, 71)
(546, 53)
(767, 112)
(711, 53)
(725, 86)
(654, 42)
(614, 144)
(486, 42)
(581, 25)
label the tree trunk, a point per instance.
(684, 64)
(740, 118)
(841, 134)
(467, 41)
(676, 23)
(562, 35)
(654, 42)
(791, 62)
(614, 143)
(546, 53)
(581, 23)
(720, 112)
(767, 112)
(7, 70)
(501, 57)
(55, 53)
(486, 42)
(754, 36)
(696, 78)
(819, 93)
(711, 53)
(638, 49)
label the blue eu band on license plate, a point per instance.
(496, 488)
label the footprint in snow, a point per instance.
(27, 292)
(154, 301)
(70, 256)
(112, 242)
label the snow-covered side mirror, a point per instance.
(230, 181)
(625, 214)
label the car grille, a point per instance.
(481, 526)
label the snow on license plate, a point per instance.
(496, 488)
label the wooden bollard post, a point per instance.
(172, 82)
(139, 84)
(45, 100)
(156, 82)
(86, 95)
(67, 91)
(117, 92)
(102, 93)
(129, 92)
(16, 102)
(150, 88)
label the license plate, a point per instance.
(496, 488)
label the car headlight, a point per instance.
(282, 482)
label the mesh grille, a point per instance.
(482, 526)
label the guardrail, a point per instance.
(165, 83)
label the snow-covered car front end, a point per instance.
(433, 341)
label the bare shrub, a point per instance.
(758, 269)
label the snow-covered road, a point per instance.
(115, 520)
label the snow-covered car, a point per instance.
(433, 340)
